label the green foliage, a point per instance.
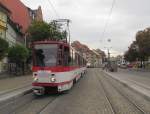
(131, 55)
(3, 48)
(18, 54)
(55, 31)
(139, 49)
(143, 41)
(40, 30)
(133, 52)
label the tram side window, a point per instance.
(60, 55)
(76, 59)
(66, 56)
(71, 58)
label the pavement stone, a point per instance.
(14, 82)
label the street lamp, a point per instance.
(108, 51)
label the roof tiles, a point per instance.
(19, 12)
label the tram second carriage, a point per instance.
(56, 66)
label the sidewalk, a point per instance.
(10, 83)
(14, 87)
(139, 87)
(139, 69)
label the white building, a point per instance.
(9, 31)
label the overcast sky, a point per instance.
(89, 17)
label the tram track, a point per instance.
(51, 101)
(36, 105)
(9, 107)
(127, 102)
(106, 96)
(17, 104)
(142, 101)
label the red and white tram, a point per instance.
(56, 66)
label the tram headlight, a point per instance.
(35, 79)
(53, 79)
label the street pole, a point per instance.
(67, 22)
(25, 38)
(108, 58)
(108, 55)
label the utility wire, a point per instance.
(108, 19)
(49, 1)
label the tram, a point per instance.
(56, 66)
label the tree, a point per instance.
(18, 54)
(56, 31)
(139, 49)
(40, 30)
(143, 41)
(3, 48)
(133, 53)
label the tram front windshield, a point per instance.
(45, 55)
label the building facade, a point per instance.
(15, 18)
(9, 31)
(4, 12)
(35, 14)
(21, 14)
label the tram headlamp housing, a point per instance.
(53, 79)
(35, 79)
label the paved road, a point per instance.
(96, 93)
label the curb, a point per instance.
(129, 86)
(9, 105)
(25, 92)
(11, 90)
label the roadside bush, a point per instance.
(18, 54)
(3, 48)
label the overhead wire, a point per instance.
(51, 4)
(108, 19)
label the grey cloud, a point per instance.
(89, 18)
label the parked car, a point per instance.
(124, 66)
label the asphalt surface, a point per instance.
(95, 93)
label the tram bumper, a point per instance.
(51, 87)
(37, 90)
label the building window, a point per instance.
(2, 33)
(3, 17)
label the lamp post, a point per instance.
(108, 51)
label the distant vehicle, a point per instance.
(119, 64)
(56, 66)
(130, 65)
(88, 65)
(124, 66)
(112, 66)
